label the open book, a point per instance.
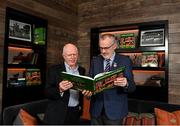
(97, 84)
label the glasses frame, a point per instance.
(106, 48)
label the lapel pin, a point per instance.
(114, 64)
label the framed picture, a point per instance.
(152, 37)
(19, 30)
(126, 39)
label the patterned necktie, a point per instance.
(107, 68)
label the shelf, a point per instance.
(21, 66)
(150, 87)
(22, 44)
(24, 58)
(25, 87)
(141, 49)
(150, 93)
(146, 44)
(149, 68)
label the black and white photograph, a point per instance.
(152, 37)
(19, 30)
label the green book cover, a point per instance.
(39, 35)
(97, 84)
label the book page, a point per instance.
(100, 74)
(79, 75)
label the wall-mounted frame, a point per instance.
(153, 37)
(126, 39)
(19, 30)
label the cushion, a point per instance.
(41, 116)
(147, 118)
(132, 119)
(24, 118)
(167, 118)
(177, 114)
(138, 119)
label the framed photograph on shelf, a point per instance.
(19, 30)
(152, 37)
(33, 77)
(149, 59)
(127, 40)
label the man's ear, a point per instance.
(63, 55)
(115, 45)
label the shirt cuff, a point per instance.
(126, 85)
(61, 94)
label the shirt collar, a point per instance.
(112, 57)
(68, 68)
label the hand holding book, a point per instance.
(121, 81)
(87, 93)
(97, 84)
(65, 85)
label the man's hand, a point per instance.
(121, 81)
(87, 93)
(65, 85)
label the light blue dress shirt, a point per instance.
(74, 94)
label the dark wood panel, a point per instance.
(174, 48)
(174, 68)
(48, 12)
(174, 78)
(174, 38)
(174, 99)
(70, 7)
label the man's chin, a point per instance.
(105, 57)
(72, 64)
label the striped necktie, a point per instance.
(107, 68)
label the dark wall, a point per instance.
(99, 13)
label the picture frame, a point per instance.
(153, 37)
(125, 39)
(19, 30)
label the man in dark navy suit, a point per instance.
(110, 106)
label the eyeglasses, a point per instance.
(105, 48)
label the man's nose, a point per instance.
(73, 55)
(103, 50)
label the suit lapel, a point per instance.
(115, 63)
(66, 93)
(80, 71)
(101, 64)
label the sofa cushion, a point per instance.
(147, 118)
(167, 118)
(34, 108)
(139, 119)
(24, 118)
(177, 113)
(132, 119)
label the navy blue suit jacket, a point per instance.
(114, 100)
